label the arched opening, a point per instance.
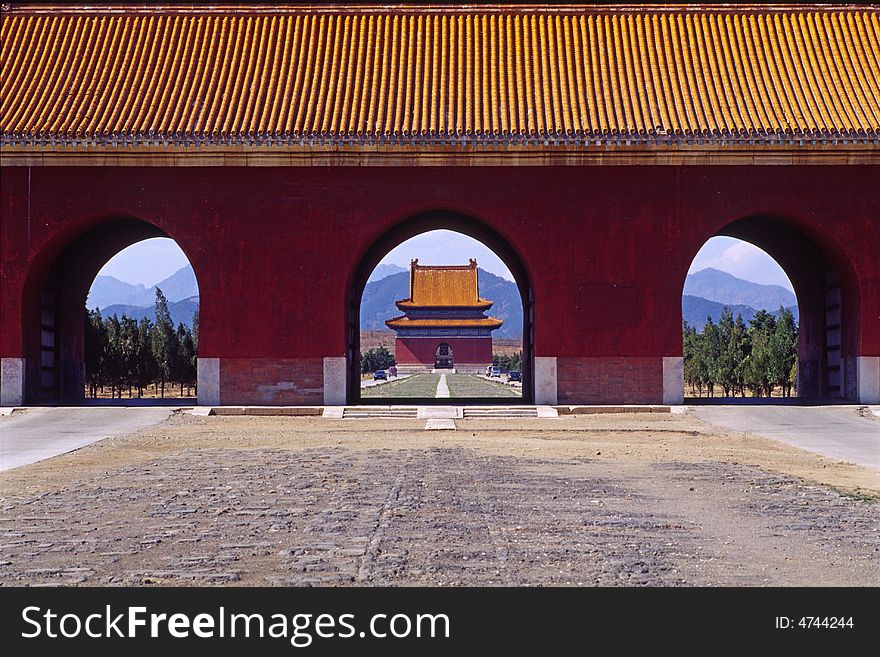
(443, 357)
(75, 307)
(458, 340)
(769, 313)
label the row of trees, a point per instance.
(508, 362)
(122, 353)
(737, 357)
(377, 358)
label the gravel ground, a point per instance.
(651, 500)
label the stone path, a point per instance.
(36, 434)
(835, 431)
(442, 388)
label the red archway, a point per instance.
(422, 223)
(828, 299)
(53, 305)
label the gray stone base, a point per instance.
(335, 371)
(11, 381)
(208, 374)
(545, 380)
(673, 380)
(868, 368)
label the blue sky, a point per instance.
(153, 260)
(146, 262)
(742, 259)
(446, 247)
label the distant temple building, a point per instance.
(443, 326)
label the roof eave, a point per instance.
(815, 151)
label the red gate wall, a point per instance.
(606, 249)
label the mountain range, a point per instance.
(724, 288)
(107, 290)
(113, 296)
(706, 292)
(181, 311)
(695, 310)
(385, 270)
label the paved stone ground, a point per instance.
(41, 433)
(434, 515)
(836, 431)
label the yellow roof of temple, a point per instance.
(444, 285)
(275, 74)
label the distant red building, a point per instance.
(443, 325)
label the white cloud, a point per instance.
(738, 257)
(742, 259)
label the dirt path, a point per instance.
(592, 500)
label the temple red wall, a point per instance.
(606, 250)
(420, 351)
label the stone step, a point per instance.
(500, 412)
(439, 412)
(351, 413)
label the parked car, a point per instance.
(380, 374)
(514, 376)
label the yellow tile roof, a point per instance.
(404, 322)
(276, 75)
(443, 286)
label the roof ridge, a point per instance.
(456, 267)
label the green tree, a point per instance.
(709, 355)
(146, 370)
(783, 352)
(128, 338)
(740, 348)
(195, 330)
(725, 366)
(759, 371)
(163, 341)
(758, 357)
(95, 350)
(378, 358)
(184, 361)
(508, 362)
(763, 321)
(692, 349)
(115, 366)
